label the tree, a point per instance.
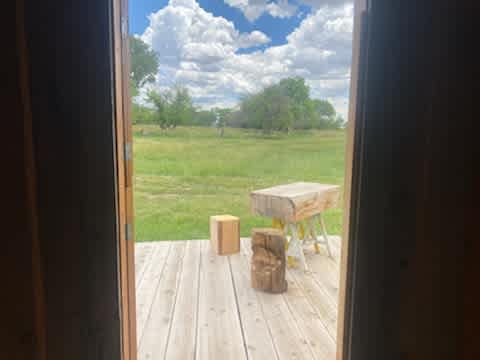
(142, 114)
(181, 108)
(160, 102)
(300, 104)
(143, 63)
(326, 117)
(268, 110)
(278, 110)
(173, 107)
(203, 118)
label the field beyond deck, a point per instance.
(184, 175)
(192, 304)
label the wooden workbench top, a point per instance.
(294, 202)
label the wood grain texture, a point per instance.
(218, 315)
(182, 337)
(284, 328)
(268, 260)
(155, 334)
(225, 234)
(310, 322)
(255, 328)
(219, 334)
(147, 287)
(123, 128)
(294, 202)
(143, 252)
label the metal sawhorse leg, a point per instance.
(297, 239)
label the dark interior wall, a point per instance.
(415, 183)
(70, 57)
(17, 327)
(446, 248)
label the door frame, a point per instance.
(354, 131)
(123, 131)
(125, 211)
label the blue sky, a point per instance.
(276, 29)
(224, 49)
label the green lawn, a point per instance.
(183, 176)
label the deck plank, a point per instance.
(181, 344)
(219, 332)
(325, 271)
(256, 332)
(155, 335)
(286, 335)
(319, 298)
(141, 253)
(309, 322)
(145, 291)
(143, 256)
(193, 304)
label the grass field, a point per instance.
(183, 176)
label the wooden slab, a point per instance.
(294, 202)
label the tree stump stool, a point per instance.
(268, 260)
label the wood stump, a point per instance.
(268, 260)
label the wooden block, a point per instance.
(268, 260)
(225, 234)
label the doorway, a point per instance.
(180, 268)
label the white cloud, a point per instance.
(200, 51)
(252, 39)
(253, 9)
(321, 3)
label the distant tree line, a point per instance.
(284, 106)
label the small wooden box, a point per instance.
(225, 234)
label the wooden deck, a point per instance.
(192, 304)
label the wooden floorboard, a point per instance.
(256, 332)
(146, 289)
(284, 329)
(142, 253)
(311, 325)
(153, 344)
(192, 304)
(219, 334)
(182, 338)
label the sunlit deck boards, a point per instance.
(192, 304)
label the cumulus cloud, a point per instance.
(253, 9)
(321, 3)
(200, 51)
